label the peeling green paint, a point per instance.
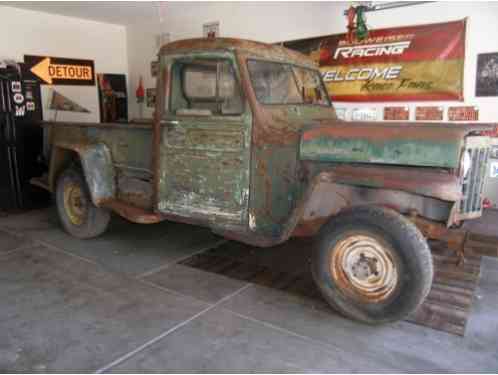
(393, 151)
(204, 160)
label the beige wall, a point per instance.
(272, 22)
(36, 33)
(262, 21)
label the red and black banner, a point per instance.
(397, 64)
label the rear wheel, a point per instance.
(372, 264)
(78, 215)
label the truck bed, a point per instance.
(135, 124)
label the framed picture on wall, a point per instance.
(487, 74)
(151, 97)
(154, 68)
(211, 30)
(112, 97)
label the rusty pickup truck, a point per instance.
(245, 141)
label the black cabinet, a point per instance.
(21, 140)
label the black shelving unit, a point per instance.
(21, 140)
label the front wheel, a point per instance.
(372, 264)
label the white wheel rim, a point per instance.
(363, 265)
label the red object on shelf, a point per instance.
(486, 203)
(140, 93)
(351, 25)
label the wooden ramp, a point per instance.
(449, 303)
(286, 267)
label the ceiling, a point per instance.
(116, 12)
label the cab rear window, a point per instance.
(205, 86)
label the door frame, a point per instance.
(162, 115)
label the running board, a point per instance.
(132, 213)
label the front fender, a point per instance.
(98, 168)
(330, 192)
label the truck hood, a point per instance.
(410, 144)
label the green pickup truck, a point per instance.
(245, 141)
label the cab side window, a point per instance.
(204, 88)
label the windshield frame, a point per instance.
(292, 65)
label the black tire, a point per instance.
(372, 264)
(89, 221)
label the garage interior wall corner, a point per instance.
(26, 32)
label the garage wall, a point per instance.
(36, 33)
(273, 22)
(262, 21)
(481, 31)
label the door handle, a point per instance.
(173, 123)
(170, 122)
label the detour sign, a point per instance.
(60, 70)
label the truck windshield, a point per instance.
(279, 83)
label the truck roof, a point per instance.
(256, 49)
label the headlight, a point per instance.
(467, 163)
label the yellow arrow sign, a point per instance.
(48, 71)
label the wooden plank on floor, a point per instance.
(447, 307)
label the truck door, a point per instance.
(205, 141)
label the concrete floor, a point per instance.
(120, 303)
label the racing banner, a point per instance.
(409, 63)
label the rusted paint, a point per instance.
(99, 172)
(162, 100)
(253, 48)
(463, 242)
(430, 182)
(132, 213)
(97, 166)
(330, 192)
(135, 191)
(453, 238)
(101, 149)
(362, 265)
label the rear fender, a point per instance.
(97, 167)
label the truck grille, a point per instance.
(478, 150)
